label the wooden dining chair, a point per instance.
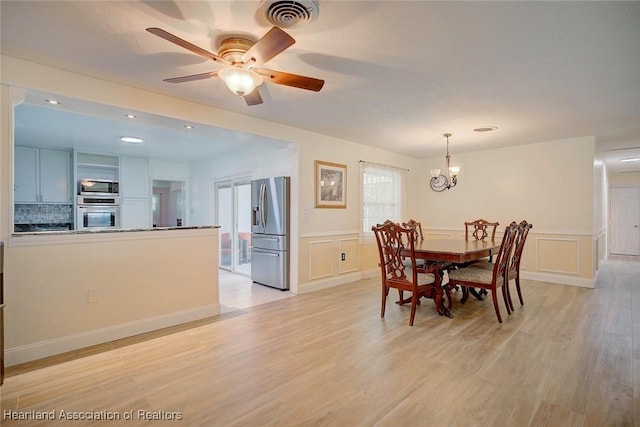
(513, 272)
(491, 280)
(480, 229)
(395, 244)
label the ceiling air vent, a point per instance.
(289, 13)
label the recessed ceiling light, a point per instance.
(53, 102)
(130, 116)
(632, 159)
(188, 127)
(131, 139)
(486, 129)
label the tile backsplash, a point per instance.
(42, 214)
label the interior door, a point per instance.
(625, 221)
(233, 215)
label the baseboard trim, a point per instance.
(42, 349)
(316, 285)
(558, 278)
(352, 277)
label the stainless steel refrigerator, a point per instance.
(270, 232)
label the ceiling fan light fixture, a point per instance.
(240, 81)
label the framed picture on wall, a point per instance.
(331, 185)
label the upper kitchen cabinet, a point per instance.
(27, 175)
(134, 193)
(134, 178)
(96, 166)
(42, 176)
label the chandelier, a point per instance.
(440, 182)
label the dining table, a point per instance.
(451, 252)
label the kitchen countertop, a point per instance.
(120, 230)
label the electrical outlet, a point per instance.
(93, 295)
(343, 256)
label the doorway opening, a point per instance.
(168, 203)
(233, 215)
(625, 221)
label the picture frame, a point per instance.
(330, 185)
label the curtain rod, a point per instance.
(382, 164)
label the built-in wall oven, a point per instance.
(98, 212)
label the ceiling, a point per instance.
(398, 74)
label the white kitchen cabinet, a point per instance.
(96, 166)
(134, 213)
(42, 176)
(135, 208)
(26, 175)
(55, 176)
(134, 178)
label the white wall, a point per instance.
(624, 179)
(72, 291)
(550, 184)
(319, 220)
(166, 170)
(254, 163)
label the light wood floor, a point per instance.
(239, 292)
(569, 357)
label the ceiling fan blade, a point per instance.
(270, 45)
(253, 98)
(185, 44)
(192, 77)
(294, 80)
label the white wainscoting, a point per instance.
(549, 269)
(320, 257)
(351, 263)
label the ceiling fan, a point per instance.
(242, 60)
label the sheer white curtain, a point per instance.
(382, 193)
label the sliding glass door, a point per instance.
(233, 214)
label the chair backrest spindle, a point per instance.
(417, 226)
(520, 240)
(504, 256)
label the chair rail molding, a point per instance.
(328, 233)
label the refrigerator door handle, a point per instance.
(260, 205)
(269, 254)
(263, 202)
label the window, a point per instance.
(382, 194)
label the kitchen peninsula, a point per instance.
(105, 285)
